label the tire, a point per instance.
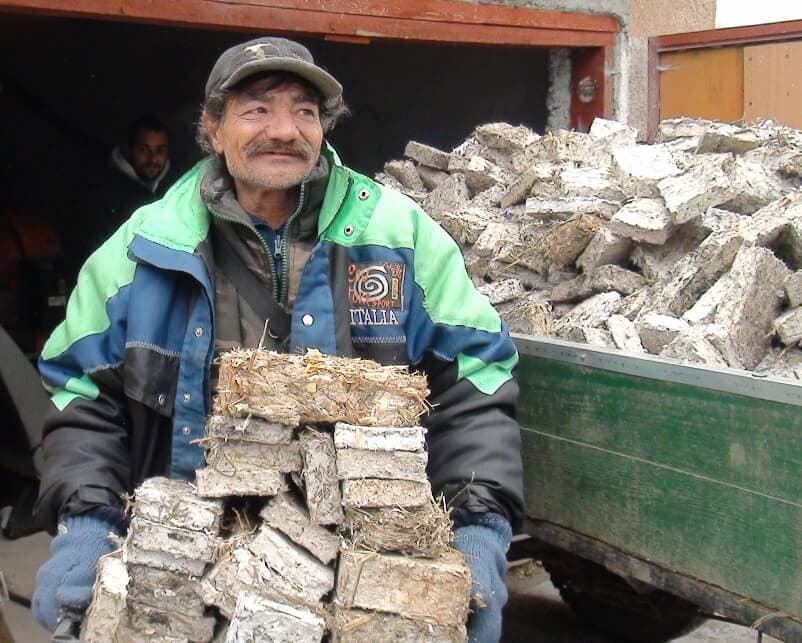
(610, 604)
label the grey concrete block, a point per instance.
(288, 515)
(175, 503)
(165, 590)
(430, 177)
(437, 590)
(289, 569)
(606, 247)
(658, 331)
(612, 133)
(257, 618)
(320, 477)
(591, 182)
(793, 289)
(405, 173)
(788, 327)
(714, 136)
(755, 286)
(530, 315)
(708, 184)
(372, 493)
(502, 291)
(645, 220)
(639, 169)
(355, 464)
(496, 235)
(181, 543)
(251, 429)
(591, 313)
(427, 155)
(625, 334)
(109, 598)
(563, 208)
(350, 436)
(506, 137)
(450, 196)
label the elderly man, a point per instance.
(271, 226)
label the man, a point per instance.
(137, 173)
(273, 226)
(144, 159)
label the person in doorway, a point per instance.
(145, 156)
(270, 226)
(138, 172)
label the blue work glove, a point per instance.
(483, 539)
(65, 581)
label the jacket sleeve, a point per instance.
(465, 349)
(86, 443)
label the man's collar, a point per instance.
(217, 192)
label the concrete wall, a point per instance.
(655, 18)
(640, 19)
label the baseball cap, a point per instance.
(269, 54)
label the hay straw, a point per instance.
(424, 532)
(296, 389)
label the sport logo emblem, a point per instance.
(376, 285)
(375, 291)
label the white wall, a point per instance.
(734, 13)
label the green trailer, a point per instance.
(660, 492)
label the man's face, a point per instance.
(149, 153)
(270, 136)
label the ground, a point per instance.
(534, 613)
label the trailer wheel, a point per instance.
(615, 607)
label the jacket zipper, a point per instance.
(278, 293)
(285, 263)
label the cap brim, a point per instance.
(324, 81)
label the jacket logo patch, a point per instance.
(375, 293)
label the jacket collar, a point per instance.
(180, 220)
(217, 193)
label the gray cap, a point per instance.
(269, 54)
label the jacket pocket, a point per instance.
(150, 376)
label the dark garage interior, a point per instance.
(68, 88)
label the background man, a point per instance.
(138, 172)
(144, 158)
(270, 226)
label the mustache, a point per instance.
(297, 148)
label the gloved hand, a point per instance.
(65, 581)
(483, 539)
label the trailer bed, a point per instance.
(690, 470)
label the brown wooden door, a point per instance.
(702, 83)
(772, 83)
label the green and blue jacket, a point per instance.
(130, 369)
